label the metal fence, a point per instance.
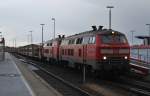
(2, 49)
(141, 54)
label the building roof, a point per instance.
(143, 37)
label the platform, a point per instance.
(14, 83)
(11, 81)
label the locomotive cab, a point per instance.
(114, 51)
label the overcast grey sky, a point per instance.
(18, 17)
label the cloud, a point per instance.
(18, 17)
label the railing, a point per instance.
(2, 49)
(142, 54)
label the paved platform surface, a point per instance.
(16, 79)
(11, 81)
(39, 86)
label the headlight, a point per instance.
(125, 57)
(104, 57)
(113, 32)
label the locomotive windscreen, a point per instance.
(113, 38)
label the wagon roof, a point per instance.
(88, 33)
(29, 45)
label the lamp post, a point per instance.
(31, 37)
(27, 39)
(2, 52)
(147, 48)
(54, 27)
(42, 33)
(15, 42)
(149, 28)
(28, 42)
(42, 43)
(109, 7)
(132, 31)
(31, 49)
(1, 34)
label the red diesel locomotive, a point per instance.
(51, 50)
(100, 50)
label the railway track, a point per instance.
(138, 87)
(136, 83)
(135, 87)
(136, 77)
(64, 87)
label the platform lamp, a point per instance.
(110, 7)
